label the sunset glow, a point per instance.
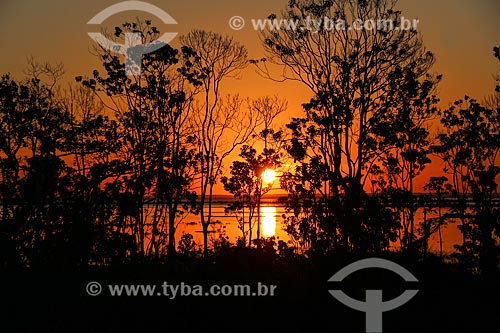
(291, 166)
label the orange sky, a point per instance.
(461, 33)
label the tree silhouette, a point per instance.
(33, 125)
(246, 181)
(91, 141)
(156, 159)
(469, 146)
(404, 143)
(247, 186)
(220, 125)
(349, 73)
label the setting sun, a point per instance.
(268, 176)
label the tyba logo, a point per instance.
(373, 305)
(133, 49)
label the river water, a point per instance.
(271, 222)
(227, 225)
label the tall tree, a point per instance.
(33, 124)
(89, 147)
(348, 71)
(268, 108)
(153, 109)
(404, 143)
(246, 181)
(14, 103)
(221, 125)
(469, 145)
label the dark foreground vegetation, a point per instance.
(79, 164)
(449, 299)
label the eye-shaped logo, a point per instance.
(133, 48)
(373, 304)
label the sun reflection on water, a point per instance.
(268, 221)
